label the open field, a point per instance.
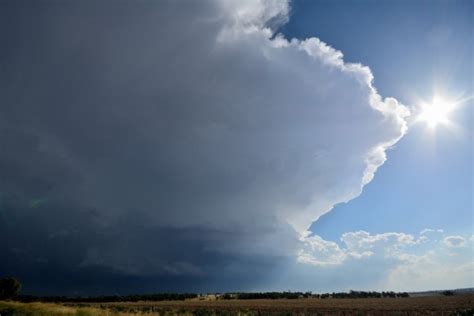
(430, 305)
(8, 308)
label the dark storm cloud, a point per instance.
(172, 145)
(59, 250)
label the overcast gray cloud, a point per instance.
(176, 139)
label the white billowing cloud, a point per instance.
(319, 154)
(362, 243)
(407, 262)
(429, 233)
(320, 252)
(356, 245)
(454, 241)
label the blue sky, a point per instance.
(414, 49)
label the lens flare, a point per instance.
(436, 112)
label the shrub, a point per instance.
(9, 288)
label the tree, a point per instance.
(9, 287)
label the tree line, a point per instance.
(107, 298)
(10, 289)
(225, 296)
(295, 295)
(365, 294)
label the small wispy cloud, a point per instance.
(454, 241)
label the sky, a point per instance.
(161, 146)
(437, 54)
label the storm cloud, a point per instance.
(174, 145)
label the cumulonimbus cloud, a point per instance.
(190, 117)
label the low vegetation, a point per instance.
(295, 295)
(226, 296)
(444, 303)
(458, 305)
(9, 288)
(112, 298)
(10, 308)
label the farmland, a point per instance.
(426, 305)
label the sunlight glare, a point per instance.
(436, 112)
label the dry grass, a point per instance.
(432, 305)
(9, 308)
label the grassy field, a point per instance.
(8, 308)
(431, 305)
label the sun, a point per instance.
(436, 112)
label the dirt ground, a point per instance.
(429, 305)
